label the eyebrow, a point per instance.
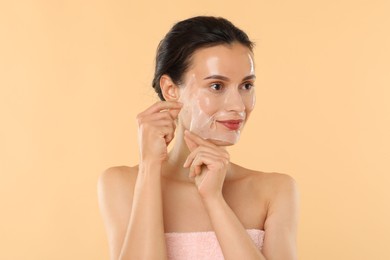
(220, 77)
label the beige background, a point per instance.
(74, 74)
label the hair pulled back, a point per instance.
(175, 50)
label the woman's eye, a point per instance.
(216, 86)
(248, 86)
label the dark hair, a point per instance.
(174, 52)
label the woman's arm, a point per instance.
(134, 222)
(282, 219)
(208, 165)
(232, 236)
(134, 216)
(280, 225)
(145, 237)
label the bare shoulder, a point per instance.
(279, 194)
(115, 189)
(277, 184)
(115, 196)
(279, 180)
(118, 175)
(282, 217)
(271, 183)
(265, 177)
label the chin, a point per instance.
(221, 143)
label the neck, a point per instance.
(173, 166)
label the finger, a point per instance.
(200, 150)
(195, 171)
(201, 158)
(159, 123)
(198, 180)
(164, 130)
(165, 115)
(199, 141)
(212, 163)
(174, 113)
(161, 105)
(198, 169)
(168, 138)
(206, 160)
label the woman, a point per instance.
(193, 202)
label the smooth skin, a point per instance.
(195, 187)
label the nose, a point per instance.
(234, 101)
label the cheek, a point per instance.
(249, 102)
(208, 105)
(185, 116)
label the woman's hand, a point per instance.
(156, 128)
(208, 165)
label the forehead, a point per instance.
(233, 61)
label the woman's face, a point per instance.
(218, 92)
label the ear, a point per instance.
(169, 89)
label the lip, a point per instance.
(232, 124)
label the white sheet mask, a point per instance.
(229, 104)
(207, 127)
(206, 106)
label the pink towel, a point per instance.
(202, 245)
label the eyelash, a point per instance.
(221, 86)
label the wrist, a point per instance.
(212, 201)
(150, 158)
(150, 166)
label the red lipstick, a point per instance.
(231, 124)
